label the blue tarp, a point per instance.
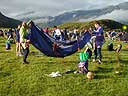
(50, 47)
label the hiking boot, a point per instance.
(25, 62)
(20, 54)
(94, 60)
(99, 61)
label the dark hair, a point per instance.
(55, 26)
(96, 22)
(10, 30)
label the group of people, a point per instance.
(61, 34)
(96, 41)
(23, 39)
(120, 35)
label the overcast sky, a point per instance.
(14, 8)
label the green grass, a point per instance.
(17, 79)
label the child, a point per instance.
(8, 44)
(83, 65)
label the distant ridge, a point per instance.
(6, 22)
(106, 23)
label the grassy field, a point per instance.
(17, 79)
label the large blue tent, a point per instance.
(50, 47)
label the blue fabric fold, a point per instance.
(50, 47)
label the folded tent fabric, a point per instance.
(45, 43)
(64, 42)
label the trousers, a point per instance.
(25, 54)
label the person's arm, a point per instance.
(99, 31)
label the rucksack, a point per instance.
(110, 47)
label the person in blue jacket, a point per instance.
(99, 40)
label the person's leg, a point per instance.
(57, 37)
(60, 38)
(99, 54)
(86, 66)
(95, 54)
(17, 47)
(26, 52)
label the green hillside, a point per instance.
(106, 23)
(6, 22)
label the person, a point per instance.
(18, 47)
(1, 33)
(99, 40)
(24, 40)
(65, 34)
(57, 33)
(10, 35)
(62, 35)
(8, 44)
(113, 35)
(46, 30)
(84, 57)
(74, 34)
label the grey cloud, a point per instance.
(119, 15)
(51, 7)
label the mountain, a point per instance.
(6, 22)
(114, 12)
(118, 13)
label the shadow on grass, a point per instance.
(57, 62)
(125, 62)
(0, 69)
(6, 51)
(4, 74)
(103, 70)
(102, 77)
(110, 61)
(124, 50)
(38, 54)
(3, 46)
